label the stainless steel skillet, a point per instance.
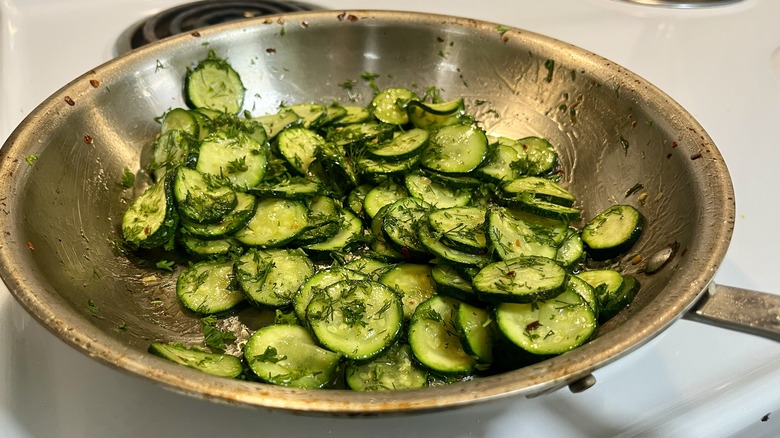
(62, 201)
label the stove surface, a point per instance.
(721, 63)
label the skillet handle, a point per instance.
(744, 310)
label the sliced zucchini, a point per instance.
(349, 233)
(612, 232)
(389, 105)
(451, 283)
(357, 197)
(613, 291)
(435, 245)
(202, 248)
(400, 224)
(522, 279)
(151, 219)
(571, 249)
(325, 220)
(462, 228)
(238, 158)
(586, 291)
(412, 282)
(271, 277)
(356, 318)
(355, 135)
(402, 146)
(218, 364)
(353, 114)
(310, 114)
(455, 149)
(299, 147)
(394, 369)
(384, 194)
(276, 221)
(435, 341)
(181, 120)
(172, 149)
(541, 188)
(501, 164)
(551, 326)
(435, 115)
(438, 195)
(213, 84)
(317, 283)
(541, 155)
(454, 180)
(475, 326)
(379, 245)
(291, 188)
(512, 234)
(288, 355)
(371, 166)
(200, 199)
(337, 170)
(528, 202)
(612, 303)
(208, 288)
(333, 113)
(278, 122)
(372, 267)
(228, 224)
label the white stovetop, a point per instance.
(722, 64)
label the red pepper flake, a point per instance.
(439, 39)
(30, 246)
(69, 101)
(94, 82)
(270, 50)
(505, 38)
(668, 156)
(695, 156)
(341, 16)
(305, 24)
(352, 18)
(405, 252)
(533, 326)
(510, 274)
(88, 139)
(195, 33)
(674, 144)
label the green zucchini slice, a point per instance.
(214, 84)
(288, 355)
(356, 318)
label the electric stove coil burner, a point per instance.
(191, 16)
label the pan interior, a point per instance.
(62, 171)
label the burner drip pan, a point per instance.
(191, 16)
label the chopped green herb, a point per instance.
(503, 29)
(214, 338)
(31, 159)
(93, 309)
(128, 178)
(637, 187)
(165, 265)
